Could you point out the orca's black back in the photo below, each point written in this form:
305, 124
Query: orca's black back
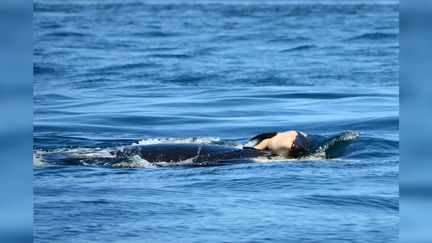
176, 152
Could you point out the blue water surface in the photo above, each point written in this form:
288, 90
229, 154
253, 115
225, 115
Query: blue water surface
114, 73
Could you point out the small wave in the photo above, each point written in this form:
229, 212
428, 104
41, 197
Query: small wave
156, 34
47, 68
333, 146
51, 97
43, 70
91, 82
124, 67
285, 40
157, 49
60, 8
374, 36
233, 38
300, 48
354, 201
169, 56
198, 140
77, 152
187, 79
67, 34
51, 25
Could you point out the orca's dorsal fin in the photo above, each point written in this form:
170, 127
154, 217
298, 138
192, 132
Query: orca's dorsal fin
264, 136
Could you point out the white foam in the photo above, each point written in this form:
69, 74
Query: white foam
198, 140
37, 158
272, 159
250, 144
171, 163
309, 158
349, 135
135, 162
183, 162
89, 152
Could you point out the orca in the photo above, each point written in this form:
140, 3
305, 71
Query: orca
290, 144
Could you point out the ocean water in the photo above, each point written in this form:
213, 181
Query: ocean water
109, 74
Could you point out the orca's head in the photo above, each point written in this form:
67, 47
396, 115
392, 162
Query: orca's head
290, 144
